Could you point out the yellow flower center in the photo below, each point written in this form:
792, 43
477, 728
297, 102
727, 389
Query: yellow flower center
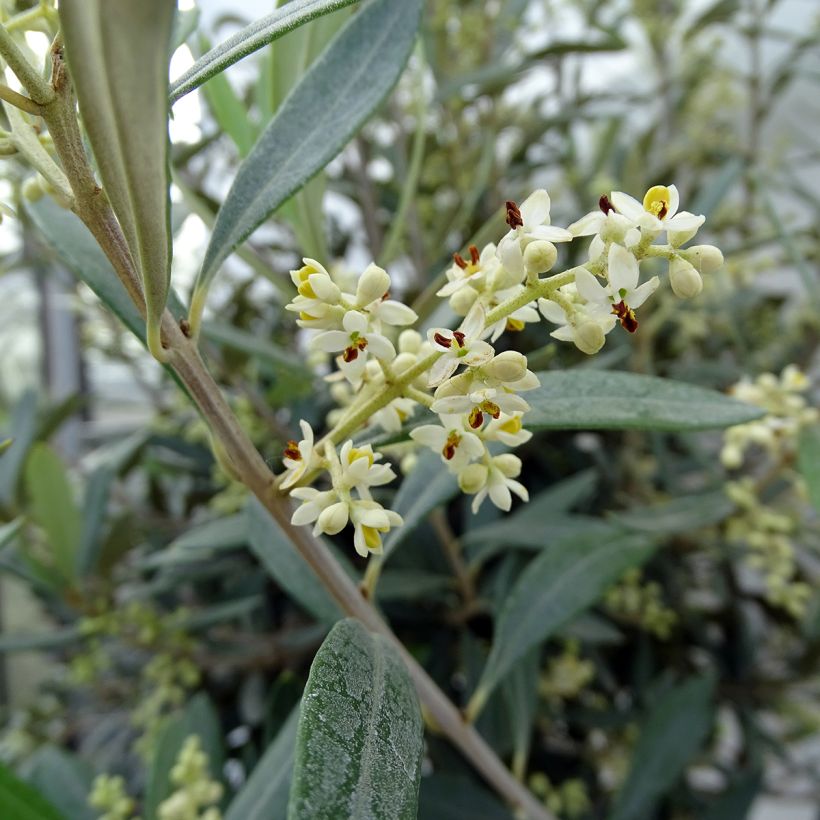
354, 454
372, 539
304, 272
512, 425
656, 201
306, 290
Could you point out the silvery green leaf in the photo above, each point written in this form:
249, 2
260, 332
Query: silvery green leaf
359, 743
118, 53
325, 109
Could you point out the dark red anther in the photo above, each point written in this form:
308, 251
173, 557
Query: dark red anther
350, 354
459, 337
474, 254
459, 260
292, 451
514, 219
361, 342
626, 316
605, 205
492, 408
442, 340
476, 418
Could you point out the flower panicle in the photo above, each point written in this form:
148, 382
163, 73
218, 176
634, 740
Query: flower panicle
385, 369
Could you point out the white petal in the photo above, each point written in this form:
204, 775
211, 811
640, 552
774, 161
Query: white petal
480, 352
331, 340
511, 256
550, 233
589, 288
324, 288
564, 334
552, 312
354, 322
674, 201
684, 221
535, 209
478, 500
392, 312
510, 403
626, 205
306, 514
519, 489
472, 445
380, 347
430, 435
588, 224
596, 248
442, 369
622, 270
380, 474
473, 322
641, 294
500, 495
452, 405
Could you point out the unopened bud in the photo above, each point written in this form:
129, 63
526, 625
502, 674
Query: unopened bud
374, 283
472, 478
462, 300
333, 519
685, 280
508, 464
324, 288
409, 341
32, 190
509, 366
540, 256
704, 258
589, 338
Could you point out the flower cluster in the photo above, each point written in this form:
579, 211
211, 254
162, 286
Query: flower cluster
769, 507
196, 792
634, 601
385, 369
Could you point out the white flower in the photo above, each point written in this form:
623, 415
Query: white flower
298, 457
585, 326
391, 417
605, 221
476, 272
456, 446
658, 212
356, 341
516, 320
499, 483
373, 284
623, 293
359, 468
462, 346
508, 430
529, 222
370, 521
313, 504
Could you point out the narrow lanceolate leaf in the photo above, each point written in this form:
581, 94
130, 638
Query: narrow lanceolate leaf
53, 507
558, 585
20, 801
331, 102
670, 737
359, 743
118, 53
601, 400
808, 461
252, 38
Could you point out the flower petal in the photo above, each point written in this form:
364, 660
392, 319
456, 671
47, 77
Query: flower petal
535, 209
626, 205
641, 294
331, 340
589, 288
588, 224
622, 270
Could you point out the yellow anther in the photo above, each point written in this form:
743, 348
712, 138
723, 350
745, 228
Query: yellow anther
512, 425
354, 454
306, 290
514, 324
372, 539
656, 201
306, 317
304, 272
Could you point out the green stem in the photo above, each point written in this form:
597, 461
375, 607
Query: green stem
9, 95
39, 90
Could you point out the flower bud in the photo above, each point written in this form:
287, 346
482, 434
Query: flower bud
324, 288
410, 341
472, 478
685, 280
32, 190
462, 300
402, 362
333, 519
508, 464
589, 338
408, 463
373, 284
509, 366
540, 256
705, 258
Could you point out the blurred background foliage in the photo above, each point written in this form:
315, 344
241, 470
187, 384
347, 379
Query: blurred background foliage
143, 595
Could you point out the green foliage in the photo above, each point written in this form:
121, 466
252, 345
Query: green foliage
328, 106
359, 706
21, 801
